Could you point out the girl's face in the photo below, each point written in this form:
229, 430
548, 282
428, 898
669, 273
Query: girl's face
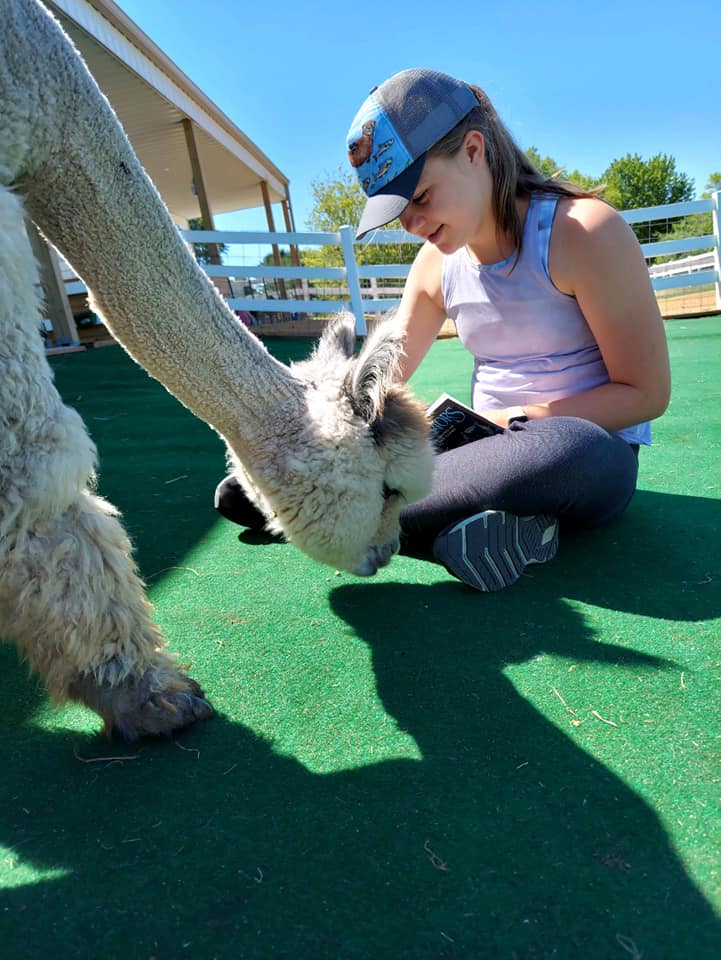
453, 198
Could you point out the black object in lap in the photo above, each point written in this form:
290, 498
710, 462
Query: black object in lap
232, 503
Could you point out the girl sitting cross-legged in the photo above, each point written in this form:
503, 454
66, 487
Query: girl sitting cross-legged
549, 292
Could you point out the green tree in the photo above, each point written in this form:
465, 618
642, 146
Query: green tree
285, 258
632, 182
585, 182
204, 252
553, 170
545, 165
337, 201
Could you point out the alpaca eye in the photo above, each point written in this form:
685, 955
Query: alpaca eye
388, 492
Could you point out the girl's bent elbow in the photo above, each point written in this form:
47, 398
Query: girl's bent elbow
660, 401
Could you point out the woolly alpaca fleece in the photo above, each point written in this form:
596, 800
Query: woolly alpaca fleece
329, 449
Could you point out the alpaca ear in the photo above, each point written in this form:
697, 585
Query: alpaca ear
337, 341
372, 376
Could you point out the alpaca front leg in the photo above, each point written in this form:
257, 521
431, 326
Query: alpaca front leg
153, 702
70, 598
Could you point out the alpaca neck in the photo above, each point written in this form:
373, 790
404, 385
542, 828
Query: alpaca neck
144, 282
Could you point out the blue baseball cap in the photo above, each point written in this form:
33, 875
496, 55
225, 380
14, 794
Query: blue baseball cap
390, 135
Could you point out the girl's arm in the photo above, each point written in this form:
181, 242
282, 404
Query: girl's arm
596, 258
421, 313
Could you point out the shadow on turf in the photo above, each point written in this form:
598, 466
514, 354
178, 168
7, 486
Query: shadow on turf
660, 560
504, 840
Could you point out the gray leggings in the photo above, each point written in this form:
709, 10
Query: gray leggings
563, 466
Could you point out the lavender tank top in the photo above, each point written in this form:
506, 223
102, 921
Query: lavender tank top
531, 343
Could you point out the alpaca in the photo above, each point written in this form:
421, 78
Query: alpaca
329, 449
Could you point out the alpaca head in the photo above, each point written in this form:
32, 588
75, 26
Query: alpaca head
357, 455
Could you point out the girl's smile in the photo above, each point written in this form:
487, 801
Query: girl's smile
434, 237
451, 205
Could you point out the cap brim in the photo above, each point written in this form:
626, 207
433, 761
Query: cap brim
391, 200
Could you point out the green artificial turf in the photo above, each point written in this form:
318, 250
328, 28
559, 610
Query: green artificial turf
399, 767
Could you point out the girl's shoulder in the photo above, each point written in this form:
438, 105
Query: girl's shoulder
587, 233
585, 213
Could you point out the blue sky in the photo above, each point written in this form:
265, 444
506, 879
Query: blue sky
584, 85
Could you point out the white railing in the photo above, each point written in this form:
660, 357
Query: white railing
684, 265
353, 278
349, 275
683, 273
662, 248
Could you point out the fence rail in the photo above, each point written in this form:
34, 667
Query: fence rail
685, 265
363, 295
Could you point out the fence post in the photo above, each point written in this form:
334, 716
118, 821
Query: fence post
716, 246
353, 280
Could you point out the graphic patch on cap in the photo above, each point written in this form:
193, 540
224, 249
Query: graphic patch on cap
375, 150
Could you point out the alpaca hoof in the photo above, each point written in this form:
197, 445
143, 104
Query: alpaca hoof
155, 704
161, 713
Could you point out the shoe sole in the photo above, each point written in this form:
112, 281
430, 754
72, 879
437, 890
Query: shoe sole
490, 551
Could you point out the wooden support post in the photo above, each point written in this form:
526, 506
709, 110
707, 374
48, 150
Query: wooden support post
199, 183
57, 306
290, 227
271, 227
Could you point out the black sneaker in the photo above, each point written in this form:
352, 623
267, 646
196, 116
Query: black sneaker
490, 550
232, 503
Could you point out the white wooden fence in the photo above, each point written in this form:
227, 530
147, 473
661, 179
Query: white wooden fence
351, 274
685, 272
683, 265
354, 278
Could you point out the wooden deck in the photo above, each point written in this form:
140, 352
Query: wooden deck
687, 302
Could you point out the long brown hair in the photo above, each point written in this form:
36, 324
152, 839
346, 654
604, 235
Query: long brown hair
512, 173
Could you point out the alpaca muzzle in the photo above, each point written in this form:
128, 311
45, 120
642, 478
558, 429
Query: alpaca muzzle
375, 558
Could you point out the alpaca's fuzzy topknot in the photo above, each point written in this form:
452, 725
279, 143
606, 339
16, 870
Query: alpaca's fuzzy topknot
359, 452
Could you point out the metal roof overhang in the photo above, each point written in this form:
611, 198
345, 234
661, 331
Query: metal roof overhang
151, 97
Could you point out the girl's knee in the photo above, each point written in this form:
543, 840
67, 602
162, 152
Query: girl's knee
603, 470
573, 440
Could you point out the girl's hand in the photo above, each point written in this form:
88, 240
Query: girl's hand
504, 416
